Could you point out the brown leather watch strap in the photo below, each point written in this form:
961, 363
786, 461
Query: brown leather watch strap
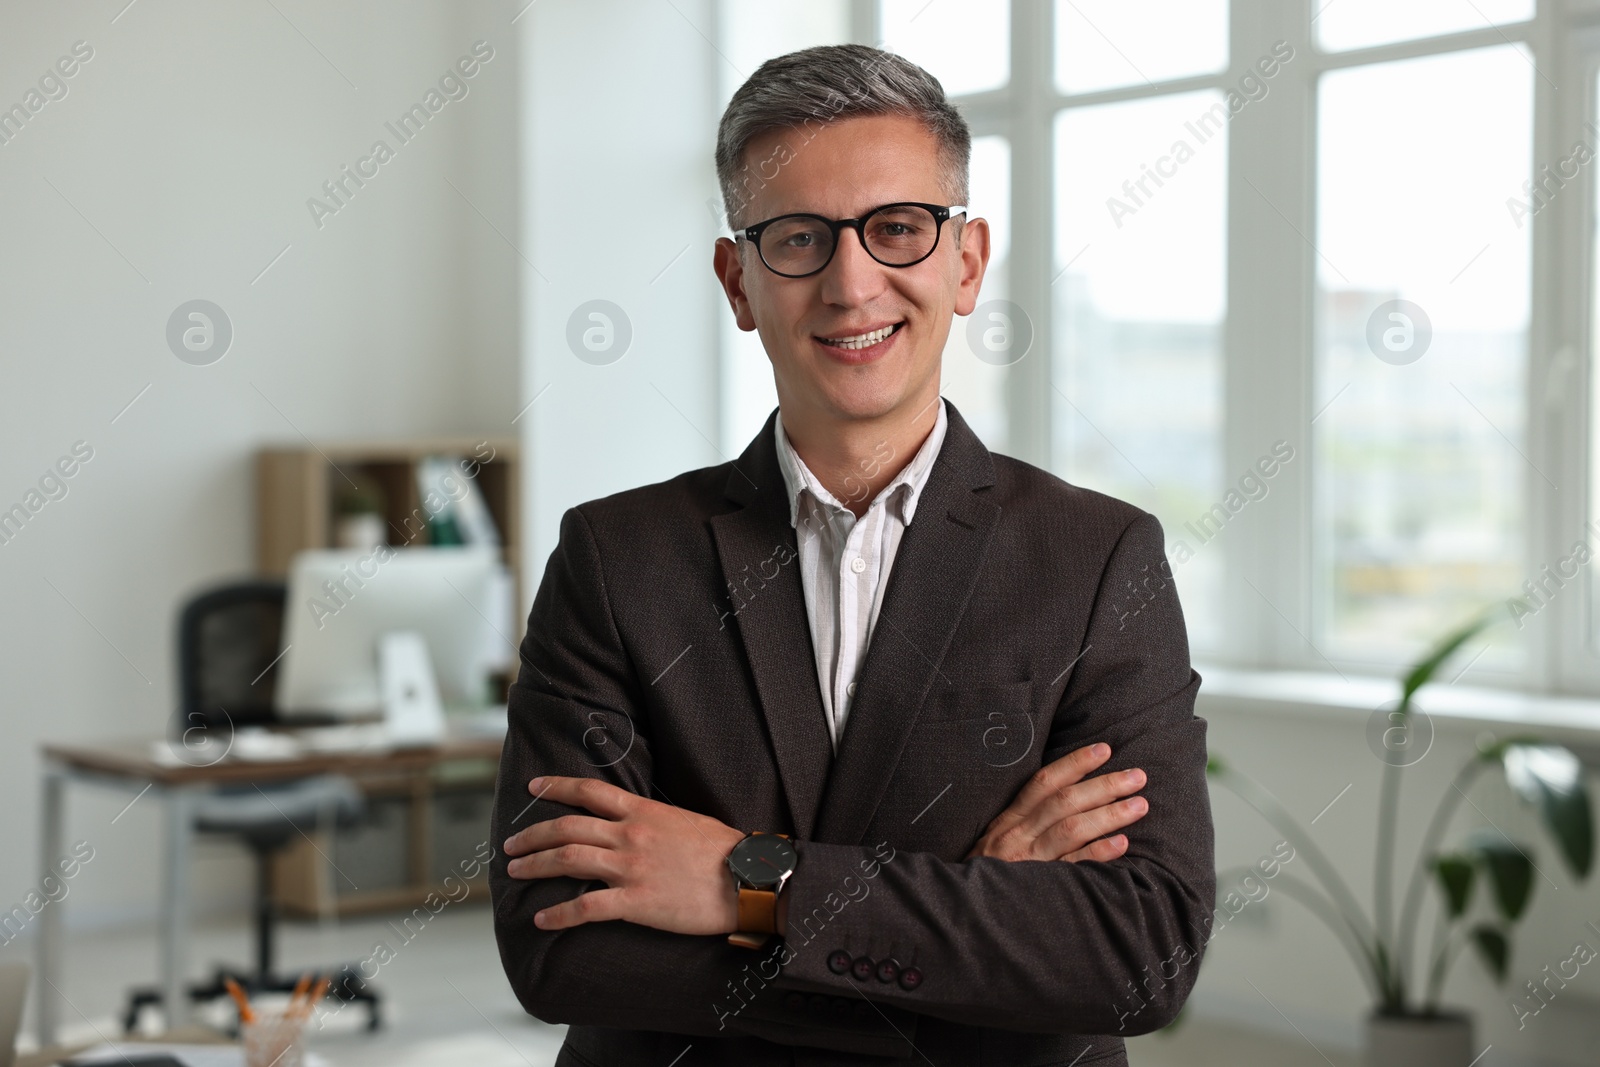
758, 915
758, 911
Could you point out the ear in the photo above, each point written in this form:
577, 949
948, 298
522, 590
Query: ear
726, 261
973, 238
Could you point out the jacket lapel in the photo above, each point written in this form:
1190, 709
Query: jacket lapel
934, 571
768, 612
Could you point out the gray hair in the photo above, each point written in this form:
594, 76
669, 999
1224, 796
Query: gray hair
805, 89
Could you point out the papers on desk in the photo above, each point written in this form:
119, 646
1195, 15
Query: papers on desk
257, 745
186, 1055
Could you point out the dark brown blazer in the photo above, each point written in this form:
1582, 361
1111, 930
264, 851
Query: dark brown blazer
668, 652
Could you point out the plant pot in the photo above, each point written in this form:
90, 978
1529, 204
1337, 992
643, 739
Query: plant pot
362, 530
1443, 1040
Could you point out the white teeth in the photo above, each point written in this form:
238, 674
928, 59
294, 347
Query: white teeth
863, 340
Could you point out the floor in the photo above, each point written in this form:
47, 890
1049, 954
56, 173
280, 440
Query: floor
447, 1001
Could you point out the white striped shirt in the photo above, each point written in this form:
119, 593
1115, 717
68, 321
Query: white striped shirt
845, 561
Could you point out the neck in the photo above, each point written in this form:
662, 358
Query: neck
855, 458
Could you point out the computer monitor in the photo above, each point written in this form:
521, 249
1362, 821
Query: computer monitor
342, 603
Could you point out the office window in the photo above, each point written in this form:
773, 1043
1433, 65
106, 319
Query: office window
965, 45
1422, 318
1104, 44
1139, 304
1369, 204
1346, 24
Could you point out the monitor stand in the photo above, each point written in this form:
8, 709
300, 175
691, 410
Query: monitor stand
412, 710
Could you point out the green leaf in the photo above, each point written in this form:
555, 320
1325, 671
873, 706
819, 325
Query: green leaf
1510, 873
1455, 874
1495, 948
1423, 670
1214, 765
1550, 777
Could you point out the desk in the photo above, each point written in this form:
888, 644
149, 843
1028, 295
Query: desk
127, 765
49, 1057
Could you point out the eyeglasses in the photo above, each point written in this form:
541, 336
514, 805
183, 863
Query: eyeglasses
896, 235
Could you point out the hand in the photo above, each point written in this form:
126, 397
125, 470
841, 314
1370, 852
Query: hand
1059, 815
663, 866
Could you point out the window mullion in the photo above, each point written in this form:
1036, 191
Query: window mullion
1267, 377
1028, 392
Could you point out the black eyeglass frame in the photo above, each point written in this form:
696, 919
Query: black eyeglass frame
941, 214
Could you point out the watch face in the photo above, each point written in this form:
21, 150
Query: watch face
763, 860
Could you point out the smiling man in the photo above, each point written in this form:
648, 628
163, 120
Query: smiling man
813, 755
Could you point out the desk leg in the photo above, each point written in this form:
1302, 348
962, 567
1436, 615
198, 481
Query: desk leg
175, 908
51, 848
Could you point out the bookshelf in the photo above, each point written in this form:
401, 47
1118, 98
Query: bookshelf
418, 820
296, 490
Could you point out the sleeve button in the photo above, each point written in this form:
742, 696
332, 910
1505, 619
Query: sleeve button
888, 970
818, 1004
863, 968
839, 961
910, 978
795, 1001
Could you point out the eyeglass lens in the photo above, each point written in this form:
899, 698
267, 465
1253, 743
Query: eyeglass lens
895, 236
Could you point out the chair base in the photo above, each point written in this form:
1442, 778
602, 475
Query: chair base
346, 985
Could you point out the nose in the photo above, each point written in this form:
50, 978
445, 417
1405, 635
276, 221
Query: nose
853, 277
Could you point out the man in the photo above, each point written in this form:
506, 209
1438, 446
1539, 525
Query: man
867, 633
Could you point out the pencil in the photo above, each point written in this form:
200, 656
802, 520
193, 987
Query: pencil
246, 1015
317, 993
300, 988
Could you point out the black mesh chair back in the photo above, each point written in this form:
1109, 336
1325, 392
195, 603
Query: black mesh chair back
229, 644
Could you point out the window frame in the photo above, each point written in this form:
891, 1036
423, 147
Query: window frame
1270, 285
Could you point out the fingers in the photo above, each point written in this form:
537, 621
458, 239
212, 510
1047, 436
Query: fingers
1076, 832
597, 905
1080, 799
562, 830
570, 861
1052, 777
1101, 851
602, 798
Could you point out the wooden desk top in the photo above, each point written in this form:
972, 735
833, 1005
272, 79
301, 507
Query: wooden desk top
186, 1035
132, 758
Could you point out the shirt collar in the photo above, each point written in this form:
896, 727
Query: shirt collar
906, 486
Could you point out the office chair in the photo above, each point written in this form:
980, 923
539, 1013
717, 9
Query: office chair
228, 651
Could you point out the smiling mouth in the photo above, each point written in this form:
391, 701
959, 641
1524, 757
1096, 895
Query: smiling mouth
862, 340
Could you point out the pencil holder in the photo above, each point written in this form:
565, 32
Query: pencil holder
273, 1039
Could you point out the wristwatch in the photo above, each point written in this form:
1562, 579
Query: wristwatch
761, 864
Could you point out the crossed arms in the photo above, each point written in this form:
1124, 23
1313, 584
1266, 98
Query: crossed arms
1008, 937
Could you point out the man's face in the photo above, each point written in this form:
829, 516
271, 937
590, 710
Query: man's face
843, 170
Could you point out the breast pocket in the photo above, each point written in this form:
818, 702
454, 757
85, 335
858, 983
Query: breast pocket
991, 722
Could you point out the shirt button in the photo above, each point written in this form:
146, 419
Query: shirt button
858, 564
850, 689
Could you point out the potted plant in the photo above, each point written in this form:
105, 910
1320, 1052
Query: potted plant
358, 514
1407, 1025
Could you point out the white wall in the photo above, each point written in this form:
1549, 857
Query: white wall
190, 144
620, 126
